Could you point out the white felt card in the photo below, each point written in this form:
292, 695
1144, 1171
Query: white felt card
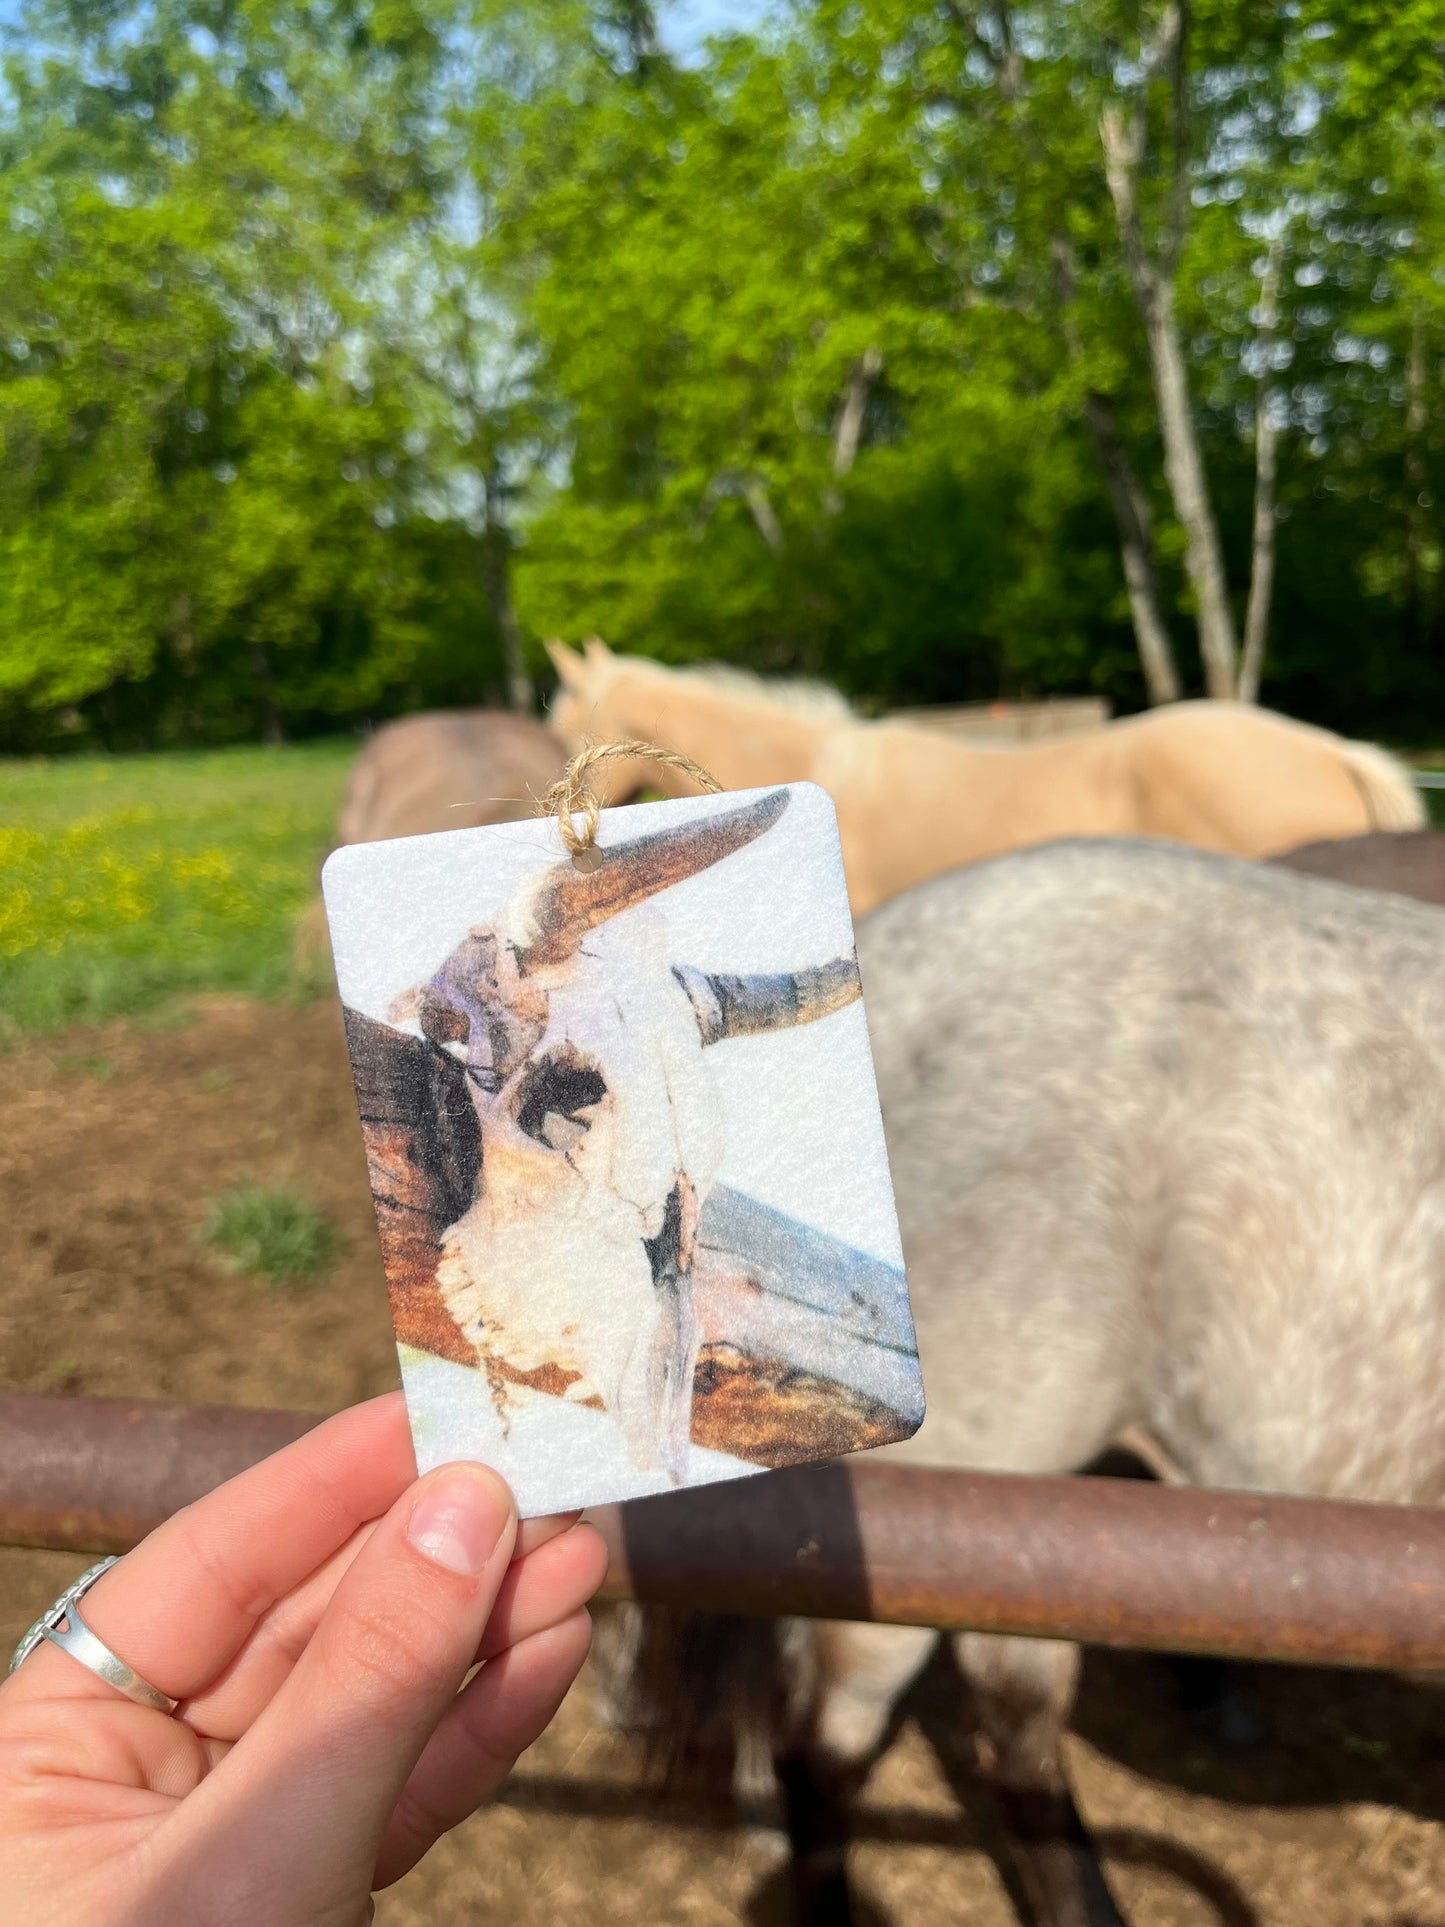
625, 1147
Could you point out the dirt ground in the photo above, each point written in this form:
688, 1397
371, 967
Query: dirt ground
116, 1142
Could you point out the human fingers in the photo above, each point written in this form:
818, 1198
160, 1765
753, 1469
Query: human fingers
540, 1588
183, 1602
316, 1777
225, 1708
63, 1761
545, 1587
497, 1717
532, 1533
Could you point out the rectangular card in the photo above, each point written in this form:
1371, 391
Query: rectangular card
624, 1142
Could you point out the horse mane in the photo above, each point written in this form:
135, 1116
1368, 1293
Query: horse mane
801, 696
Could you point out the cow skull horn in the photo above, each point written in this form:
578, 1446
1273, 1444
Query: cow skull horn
571, 902
747, 1006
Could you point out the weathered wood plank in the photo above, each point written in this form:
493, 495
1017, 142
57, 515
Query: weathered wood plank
778, 1332
771, 1413
423, 1157
797, 1262
807, 1343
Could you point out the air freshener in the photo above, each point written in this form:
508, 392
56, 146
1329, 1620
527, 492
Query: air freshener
624, 1143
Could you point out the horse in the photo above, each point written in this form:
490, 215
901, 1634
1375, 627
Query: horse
448, 770
1166, 1132
1409, 863
439, 770
913, 802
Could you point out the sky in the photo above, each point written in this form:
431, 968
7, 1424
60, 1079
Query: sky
686, 23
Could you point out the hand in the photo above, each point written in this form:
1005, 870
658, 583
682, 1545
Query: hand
316, 1618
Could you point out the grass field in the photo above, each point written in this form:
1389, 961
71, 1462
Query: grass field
127, 881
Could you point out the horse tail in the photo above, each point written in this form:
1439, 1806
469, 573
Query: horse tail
712, 1697
1391, 799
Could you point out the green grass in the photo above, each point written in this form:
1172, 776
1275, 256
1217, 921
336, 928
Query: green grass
86, 1063
128, 881
271, 1233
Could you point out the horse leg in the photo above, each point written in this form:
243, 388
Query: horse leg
1023, 1691
863, 1672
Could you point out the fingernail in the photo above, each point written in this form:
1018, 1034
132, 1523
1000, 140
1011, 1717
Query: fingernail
460, 1518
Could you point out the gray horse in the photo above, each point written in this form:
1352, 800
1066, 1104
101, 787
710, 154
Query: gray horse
1168, 1136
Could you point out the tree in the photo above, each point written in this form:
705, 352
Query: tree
1153, 269
950, 352
209, 478
485, 426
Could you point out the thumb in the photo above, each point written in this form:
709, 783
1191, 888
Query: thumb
317, 1776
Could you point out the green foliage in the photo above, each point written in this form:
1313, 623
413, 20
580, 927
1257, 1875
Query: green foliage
708, 257
130, 880
272, 1233
209, 436
314, 321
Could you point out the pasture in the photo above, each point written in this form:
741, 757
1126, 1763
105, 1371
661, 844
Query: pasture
162, 1054
128, 881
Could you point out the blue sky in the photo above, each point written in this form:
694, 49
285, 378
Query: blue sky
687, 22
684, 22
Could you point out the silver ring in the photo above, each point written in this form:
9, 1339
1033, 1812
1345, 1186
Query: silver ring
63, 1626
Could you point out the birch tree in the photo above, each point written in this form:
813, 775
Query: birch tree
1266, 452
1153, 265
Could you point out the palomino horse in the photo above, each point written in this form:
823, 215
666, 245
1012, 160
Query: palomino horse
913, 802
448, 770
1166, 1134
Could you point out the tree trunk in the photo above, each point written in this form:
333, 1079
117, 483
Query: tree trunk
1153, 284
1136, 547
495, 556
639, 20
855, 404
755, 494
1416, 514
1189, 491
849, 431
1266, 449
1126, 495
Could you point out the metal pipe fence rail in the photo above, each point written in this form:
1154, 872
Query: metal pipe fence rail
1109, 1562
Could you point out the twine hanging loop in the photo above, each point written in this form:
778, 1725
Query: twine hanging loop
572, 796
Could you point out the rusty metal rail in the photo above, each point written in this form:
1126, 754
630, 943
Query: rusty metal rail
1109, 1562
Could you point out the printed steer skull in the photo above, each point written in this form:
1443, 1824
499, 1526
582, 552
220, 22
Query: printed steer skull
601, 1126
